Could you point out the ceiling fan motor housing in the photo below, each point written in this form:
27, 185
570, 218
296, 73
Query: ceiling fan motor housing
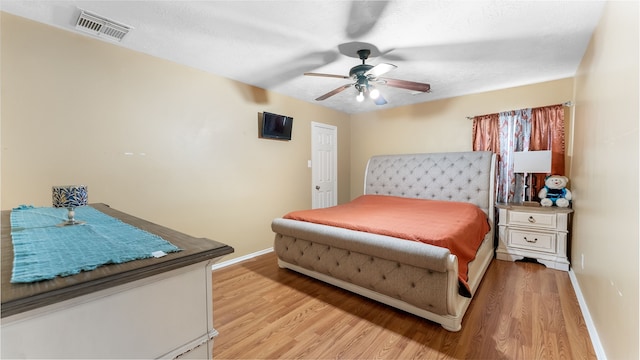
359, 70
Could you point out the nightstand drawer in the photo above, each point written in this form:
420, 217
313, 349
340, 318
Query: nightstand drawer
532, 219
533, 241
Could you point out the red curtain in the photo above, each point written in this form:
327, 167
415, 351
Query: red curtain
547, 133
486, 133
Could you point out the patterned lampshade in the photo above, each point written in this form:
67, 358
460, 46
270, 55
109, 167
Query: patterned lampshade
69, 196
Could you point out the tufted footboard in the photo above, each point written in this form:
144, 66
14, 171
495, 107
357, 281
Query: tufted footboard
418, 274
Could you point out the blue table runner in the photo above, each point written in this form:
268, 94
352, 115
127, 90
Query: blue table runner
43, 250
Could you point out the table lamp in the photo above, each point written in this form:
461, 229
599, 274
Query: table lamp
531, 162
70, 197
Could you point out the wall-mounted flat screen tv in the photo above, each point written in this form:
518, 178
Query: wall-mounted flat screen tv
276, 126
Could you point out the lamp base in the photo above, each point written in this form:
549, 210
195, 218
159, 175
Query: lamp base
72, 221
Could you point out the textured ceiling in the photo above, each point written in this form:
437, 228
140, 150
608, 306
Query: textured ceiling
457, 47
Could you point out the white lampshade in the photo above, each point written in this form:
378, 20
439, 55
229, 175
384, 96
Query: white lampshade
532, 162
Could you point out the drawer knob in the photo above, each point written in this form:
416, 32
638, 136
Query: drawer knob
531, 241
531, 219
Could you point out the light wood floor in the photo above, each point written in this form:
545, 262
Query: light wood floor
521, 311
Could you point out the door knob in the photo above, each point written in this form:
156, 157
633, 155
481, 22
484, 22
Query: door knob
317, 187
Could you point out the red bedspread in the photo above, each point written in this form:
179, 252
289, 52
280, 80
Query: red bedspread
458, 226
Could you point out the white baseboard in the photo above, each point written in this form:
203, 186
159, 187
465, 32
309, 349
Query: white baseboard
593, 334
240, 259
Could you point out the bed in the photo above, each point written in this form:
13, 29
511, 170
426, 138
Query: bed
424, 278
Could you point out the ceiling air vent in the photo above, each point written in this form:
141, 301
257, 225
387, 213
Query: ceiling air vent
100, 26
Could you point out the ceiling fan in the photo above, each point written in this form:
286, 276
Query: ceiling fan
366, 77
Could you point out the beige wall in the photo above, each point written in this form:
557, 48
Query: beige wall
440, 126
604, 179
73, 107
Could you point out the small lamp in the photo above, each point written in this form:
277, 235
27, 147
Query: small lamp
531, 162
70, 197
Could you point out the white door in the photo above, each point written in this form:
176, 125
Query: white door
324, 165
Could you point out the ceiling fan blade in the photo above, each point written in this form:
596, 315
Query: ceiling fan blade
380, 69
333, 92
326, 75
363, 16
292, 68
380, 100
408, 85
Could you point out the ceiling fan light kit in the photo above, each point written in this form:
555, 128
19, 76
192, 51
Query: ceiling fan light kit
374, 93
365, 76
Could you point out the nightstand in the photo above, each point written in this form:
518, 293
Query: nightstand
535, 232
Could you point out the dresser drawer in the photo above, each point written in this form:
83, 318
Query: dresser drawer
540, 220
532, 241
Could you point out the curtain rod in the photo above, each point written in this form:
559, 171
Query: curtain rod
566, 103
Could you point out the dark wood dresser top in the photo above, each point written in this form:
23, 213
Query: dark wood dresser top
18, 298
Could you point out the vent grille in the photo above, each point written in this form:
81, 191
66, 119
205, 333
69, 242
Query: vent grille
100, 26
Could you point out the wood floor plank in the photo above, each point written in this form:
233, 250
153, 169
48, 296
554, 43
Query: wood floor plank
521, 310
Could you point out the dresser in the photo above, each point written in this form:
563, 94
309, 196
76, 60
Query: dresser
535, 232
143, 309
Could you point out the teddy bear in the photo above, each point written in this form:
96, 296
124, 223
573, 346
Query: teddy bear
555, 191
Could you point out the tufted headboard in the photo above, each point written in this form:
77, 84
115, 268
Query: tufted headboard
454, 176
